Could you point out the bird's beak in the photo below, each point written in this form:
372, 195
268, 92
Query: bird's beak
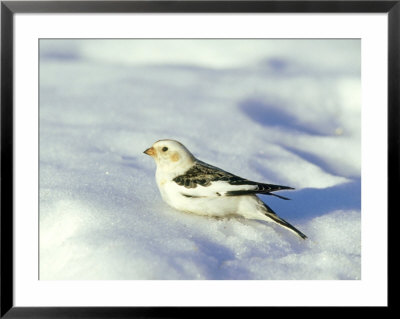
150, 151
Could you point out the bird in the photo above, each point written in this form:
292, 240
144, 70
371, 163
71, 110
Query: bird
193, 186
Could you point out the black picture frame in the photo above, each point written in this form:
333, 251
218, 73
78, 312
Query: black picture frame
9, 8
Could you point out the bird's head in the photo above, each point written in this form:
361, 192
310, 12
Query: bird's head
170, 155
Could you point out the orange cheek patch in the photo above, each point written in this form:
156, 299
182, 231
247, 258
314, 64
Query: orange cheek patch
175, 157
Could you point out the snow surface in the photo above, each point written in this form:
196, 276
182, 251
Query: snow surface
279, 111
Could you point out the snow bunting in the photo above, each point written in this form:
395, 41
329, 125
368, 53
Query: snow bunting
190, 185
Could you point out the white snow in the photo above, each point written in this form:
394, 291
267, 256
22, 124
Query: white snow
279, 111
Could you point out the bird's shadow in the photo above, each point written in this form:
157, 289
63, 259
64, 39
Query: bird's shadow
312, 202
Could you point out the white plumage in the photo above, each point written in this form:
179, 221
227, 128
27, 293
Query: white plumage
190, 185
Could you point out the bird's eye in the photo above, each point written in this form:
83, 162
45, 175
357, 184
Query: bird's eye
164, 149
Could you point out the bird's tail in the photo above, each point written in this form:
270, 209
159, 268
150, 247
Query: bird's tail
272, 215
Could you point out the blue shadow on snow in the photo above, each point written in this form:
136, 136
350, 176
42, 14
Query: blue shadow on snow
275, 116
312, 202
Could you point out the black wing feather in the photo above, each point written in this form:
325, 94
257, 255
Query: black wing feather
271, 214
204, 174
251, 192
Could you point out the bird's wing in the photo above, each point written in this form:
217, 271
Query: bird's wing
221, 183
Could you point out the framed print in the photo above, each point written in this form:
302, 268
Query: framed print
163, 157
